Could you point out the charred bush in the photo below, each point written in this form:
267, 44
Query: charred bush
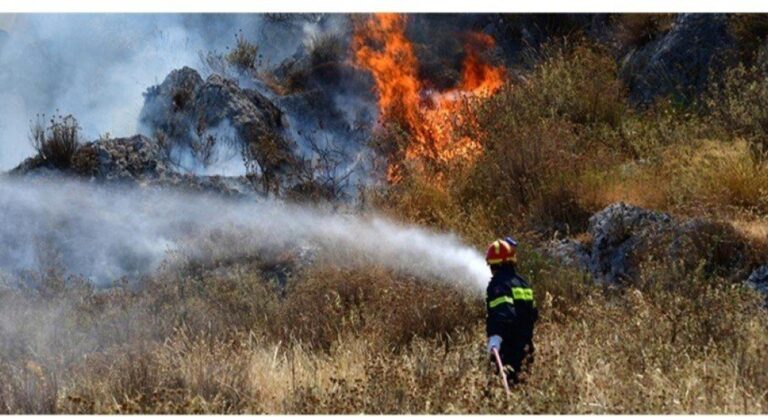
57, 143
267, 159
749, 31
245, 54
322, 176
326, 48
634, 30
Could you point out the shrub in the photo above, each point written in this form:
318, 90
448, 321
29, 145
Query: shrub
267, 157
539, 135
578, 83
244, 56
749, 31
633, 30
700, 178
57, 143
326, 48
526, 173
716, 175
738, 100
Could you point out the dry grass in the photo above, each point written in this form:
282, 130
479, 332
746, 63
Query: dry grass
245, 55
367, 341
704, 178
57, 143
756, 229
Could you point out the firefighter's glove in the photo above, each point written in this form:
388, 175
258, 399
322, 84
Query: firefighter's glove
494, 342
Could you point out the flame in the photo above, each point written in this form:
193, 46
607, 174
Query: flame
477, 75
381, 47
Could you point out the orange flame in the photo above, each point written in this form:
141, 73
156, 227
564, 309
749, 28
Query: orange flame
381, 47
477, 76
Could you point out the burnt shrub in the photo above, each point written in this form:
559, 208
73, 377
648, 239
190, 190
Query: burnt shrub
244, 56
326, 48
749, 31
633, 30
57, 143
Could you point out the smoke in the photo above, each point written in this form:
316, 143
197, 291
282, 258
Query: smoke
104, 234
96, 66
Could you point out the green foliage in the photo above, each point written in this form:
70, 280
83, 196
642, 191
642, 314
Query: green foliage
577, 83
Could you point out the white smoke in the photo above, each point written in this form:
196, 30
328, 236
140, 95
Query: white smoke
104, 234
96, 66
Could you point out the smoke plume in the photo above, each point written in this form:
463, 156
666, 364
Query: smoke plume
96, 66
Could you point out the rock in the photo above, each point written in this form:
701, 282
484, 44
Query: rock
620, 232
758, 281
200, 120
678, 62
167, 106
136, 158
568, 252
623, 236
32, 164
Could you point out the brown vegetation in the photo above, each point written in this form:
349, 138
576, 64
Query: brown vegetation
563, 142
347, 341
633, 30
245, 55
56, 143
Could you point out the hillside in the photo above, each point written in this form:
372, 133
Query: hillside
301, 230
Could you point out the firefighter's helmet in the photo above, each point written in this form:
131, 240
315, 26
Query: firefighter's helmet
502, 250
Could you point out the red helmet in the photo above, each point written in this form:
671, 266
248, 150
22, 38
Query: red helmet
500, 251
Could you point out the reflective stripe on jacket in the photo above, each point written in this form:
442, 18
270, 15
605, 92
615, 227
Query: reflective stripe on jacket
510, 304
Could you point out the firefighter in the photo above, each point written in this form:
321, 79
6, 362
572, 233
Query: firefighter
511, 310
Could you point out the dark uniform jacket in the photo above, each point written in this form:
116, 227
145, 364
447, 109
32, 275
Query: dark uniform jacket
510, 305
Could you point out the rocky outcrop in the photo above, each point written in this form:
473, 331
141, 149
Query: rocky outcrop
134, 159
680, 61
623, 236
194, 119
620, 232
569, 252
758, 281
137, 160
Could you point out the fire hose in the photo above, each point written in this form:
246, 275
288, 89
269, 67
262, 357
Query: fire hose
501, 370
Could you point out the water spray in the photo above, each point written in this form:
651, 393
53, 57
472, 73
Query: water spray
104, 233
